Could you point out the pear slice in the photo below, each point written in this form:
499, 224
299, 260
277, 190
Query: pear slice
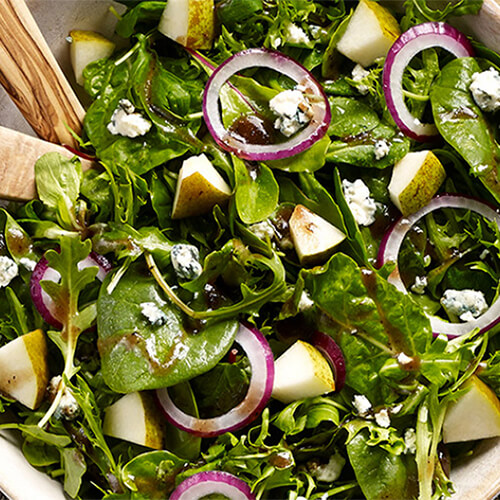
199, 188
369, 34
301, 372
415, 180
24, 373
87, 47
475, 415
135, 418
189, 22
313, 237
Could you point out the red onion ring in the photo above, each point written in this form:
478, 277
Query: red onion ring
43, 272
408, 45
205, 483
80, 154
331, 351
393, 239
261, 362
299, 142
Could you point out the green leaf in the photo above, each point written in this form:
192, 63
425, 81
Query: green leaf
462, 123
74, 469
58, 181
145, 12
256, 191
137, 354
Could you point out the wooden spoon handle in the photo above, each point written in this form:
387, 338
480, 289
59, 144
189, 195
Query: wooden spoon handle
18, 154
30, 74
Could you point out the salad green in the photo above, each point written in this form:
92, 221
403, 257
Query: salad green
146, 327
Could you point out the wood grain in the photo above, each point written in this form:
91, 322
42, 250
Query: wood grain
30, 74
18, 155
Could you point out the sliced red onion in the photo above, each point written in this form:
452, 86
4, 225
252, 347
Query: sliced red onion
84, 156
281, 63
391, 245
407, 46
261, 361
43, 272
329, 348
203, 484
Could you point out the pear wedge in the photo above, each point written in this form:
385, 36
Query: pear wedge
189, 22
415, 180
87, 47
475, 415
313, 237
314, 377
24, 373
135, 418
199, 188
369, 34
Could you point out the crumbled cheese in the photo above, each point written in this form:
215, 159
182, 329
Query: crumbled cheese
305, 301
330, 471
466, 304
153, 313
8, 270
382, 418
186, 261
382, 149
361, 404
262, 230
125, 121
410, 439
419, 285
296, 35
358, 75
485, 89
404, 360
361, 204
68, 406
396, 409
292, 109
28, 263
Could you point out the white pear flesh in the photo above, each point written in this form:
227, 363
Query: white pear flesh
415, 180
24, 372
87, 47
190, 23
301, 372
199, 188
370, 33
135, 418
314, 238
475, 415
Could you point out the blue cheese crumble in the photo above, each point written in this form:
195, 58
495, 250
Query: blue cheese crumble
466, 304
296, 35
152, 312
361, 204
186, 261
382, 149
358, 75
126, 122
292, 109
485, 89
8, 271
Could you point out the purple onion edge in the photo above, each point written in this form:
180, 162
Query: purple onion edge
283, 153
215, 476
269, 359
325, 343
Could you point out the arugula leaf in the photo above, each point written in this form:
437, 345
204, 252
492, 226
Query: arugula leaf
144, 12
58, 181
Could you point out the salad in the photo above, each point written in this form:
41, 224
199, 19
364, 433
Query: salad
281, 280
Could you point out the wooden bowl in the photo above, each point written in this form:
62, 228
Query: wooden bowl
476, 478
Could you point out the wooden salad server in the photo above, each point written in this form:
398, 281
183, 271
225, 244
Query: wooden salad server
33, 79
18, 155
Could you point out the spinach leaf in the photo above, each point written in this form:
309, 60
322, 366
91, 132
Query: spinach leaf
139, 354
463, 125
144, 12
256, 191
355, 129
58, 181
383, 473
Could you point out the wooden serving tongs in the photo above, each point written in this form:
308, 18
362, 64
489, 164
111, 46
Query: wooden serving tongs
31, 76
